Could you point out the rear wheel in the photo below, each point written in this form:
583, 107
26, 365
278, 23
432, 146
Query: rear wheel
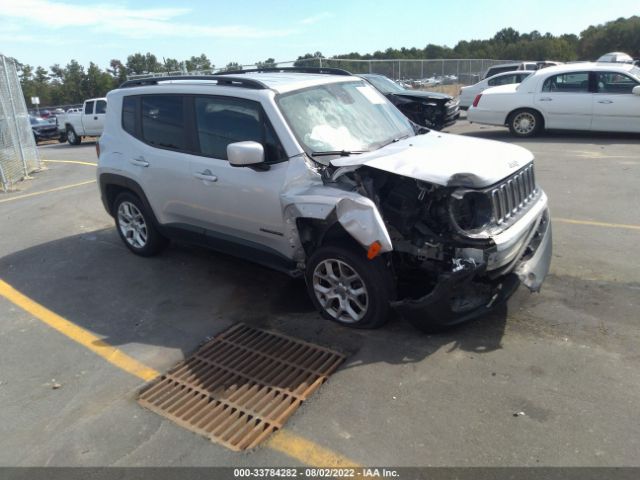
72, 138
135, 227
525, 123
348, 288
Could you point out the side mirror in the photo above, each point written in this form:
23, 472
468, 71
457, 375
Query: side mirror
243, 154
636, 90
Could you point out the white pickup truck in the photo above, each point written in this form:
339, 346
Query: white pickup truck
87, 122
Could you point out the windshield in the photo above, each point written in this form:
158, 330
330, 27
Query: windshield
351, 116
384, 84
635, 71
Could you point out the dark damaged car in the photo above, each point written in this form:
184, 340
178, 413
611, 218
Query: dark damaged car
321, 177
429, 109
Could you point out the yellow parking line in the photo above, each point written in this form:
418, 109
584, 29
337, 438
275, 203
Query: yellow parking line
306, 451
597, 224
78, 334
287, 443
71, 161
57, 189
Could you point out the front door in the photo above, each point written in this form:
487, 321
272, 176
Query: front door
237, 203
615, 108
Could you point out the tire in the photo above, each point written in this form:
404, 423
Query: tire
72, 137
62, 138
135, 226
351, 272
525, 123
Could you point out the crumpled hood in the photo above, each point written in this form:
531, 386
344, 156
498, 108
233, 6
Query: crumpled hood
423, 95
445, 159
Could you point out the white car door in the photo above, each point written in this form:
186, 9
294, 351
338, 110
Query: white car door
615, 107
566, 101
239, 203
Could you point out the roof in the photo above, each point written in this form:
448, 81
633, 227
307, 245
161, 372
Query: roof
289, 81
582, 66
279, 82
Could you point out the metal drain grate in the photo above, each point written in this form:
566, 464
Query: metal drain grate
241, 386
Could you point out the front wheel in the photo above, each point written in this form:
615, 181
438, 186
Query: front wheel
525, 123
348, 288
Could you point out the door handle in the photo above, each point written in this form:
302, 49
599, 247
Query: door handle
605, 101
206, 175
546, 99
95, 118
139, 162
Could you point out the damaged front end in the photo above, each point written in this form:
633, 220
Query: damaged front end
457, 252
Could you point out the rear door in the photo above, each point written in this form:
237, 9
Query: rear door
566, 101
615, 108
158, 153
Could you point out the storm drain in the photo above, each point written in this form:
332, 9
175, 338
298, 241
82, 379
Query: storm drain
241, 386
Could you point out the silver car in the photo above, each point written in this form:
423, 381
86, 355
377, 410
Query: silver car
318, 175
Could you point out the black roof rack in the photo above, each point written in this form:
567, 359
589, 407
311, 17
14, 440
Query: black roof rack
321, 70
227, 81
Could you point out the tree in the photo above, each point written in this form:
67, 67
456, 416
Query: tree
171, 65
118, 71
139, 64
233, 66
268, 63
199, 63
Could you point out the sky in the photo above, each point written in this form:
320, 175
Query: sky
45, 32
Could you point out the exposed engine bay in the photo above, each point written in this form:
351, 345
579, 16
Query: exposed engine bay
442, 238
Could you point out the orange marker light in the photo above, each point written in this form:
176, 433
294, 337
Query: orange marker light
374, 250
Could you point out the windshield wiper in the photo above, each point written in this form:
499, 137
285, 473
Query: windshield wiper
393, 140
340, 153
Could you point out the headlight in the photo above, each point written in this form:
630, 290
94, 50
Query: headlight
471, 211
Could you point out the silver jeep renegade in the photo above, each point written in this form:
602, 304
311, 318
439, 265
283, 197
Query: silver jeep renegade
316, 174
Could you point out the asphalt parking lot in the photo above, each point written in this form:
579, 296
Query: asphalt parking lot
567, 357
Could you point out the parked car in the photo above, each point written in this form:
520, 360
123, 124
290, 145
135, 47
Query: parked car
88, 121
43, 129
467, 94
321, 177
616, 57
580, 96
429, 109
510, 67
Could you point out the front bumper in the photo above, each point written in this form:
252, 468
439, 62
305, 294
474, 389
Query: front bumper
470, 291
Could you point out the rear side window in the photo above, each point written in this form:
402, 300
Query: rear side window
129, 114
503, 80
613, 82
88, 108
577, 82
101, 107
221, 121
163, 121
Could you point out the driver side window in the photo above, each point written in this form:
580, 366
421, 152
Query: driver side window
224, 120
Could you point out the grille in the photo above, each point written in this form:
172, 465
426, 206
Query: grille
513, 194
241, 386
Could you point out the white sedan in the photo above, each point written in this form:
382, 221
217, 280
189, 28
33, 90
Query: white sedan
467, 94
578, 96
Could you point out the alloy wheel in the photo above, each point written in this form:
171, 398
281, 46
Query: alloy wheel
340, 291
132, 225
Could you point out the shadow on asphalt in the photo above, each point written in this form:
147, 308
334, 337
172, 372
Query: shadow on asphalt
188, 294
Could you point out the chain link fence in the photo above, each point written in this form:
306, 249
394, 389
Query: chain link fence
416, 73
18, 152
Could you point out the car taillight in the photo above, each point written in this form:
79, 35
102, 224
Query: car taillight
477, 100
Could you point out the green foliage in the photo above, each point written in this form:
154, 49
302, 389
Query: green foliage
72, 84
